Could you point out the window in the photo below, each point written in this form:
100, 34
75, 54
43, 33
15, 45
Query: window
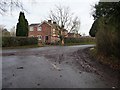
31, 28
39, 29
53, 30
39, 37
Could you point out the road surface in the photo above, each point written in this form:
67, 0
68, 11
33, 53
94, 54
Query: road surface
53, 67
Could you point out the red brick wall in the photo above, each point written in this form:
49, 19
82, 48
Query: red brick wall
45, 31
35, 32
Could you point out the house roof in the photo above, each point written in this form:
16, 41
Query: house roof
34, 24
5, 30
56, 26
46, 22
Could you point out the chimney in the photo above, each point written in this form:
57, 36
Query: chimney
49, 21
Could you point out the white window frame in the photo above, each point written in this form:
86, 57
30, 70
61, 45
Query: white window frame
31, 28
39, 37
53, 31
39, 28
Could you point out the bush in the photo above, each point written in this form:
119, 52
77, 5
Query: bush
81, 40
107, 39
18, 41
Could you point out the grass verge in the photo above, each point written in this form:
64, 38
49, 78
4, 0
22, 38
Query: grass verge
84, 43
21, 47
110, 61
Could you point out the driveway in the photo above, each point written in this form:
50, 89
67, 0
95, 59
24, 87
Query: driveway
54, 67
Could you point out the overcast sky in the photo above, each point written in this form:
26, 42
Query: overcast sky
39, 10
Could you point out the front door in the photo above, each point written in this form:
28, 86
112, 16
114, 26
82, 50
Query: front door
46, 39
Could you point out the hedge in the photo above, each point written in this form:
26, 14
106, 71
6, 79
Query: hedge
18, 41
80, 40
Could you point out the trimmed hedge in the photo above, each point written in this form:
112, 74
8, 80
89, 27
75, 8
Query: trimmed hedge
18, 41
79, 40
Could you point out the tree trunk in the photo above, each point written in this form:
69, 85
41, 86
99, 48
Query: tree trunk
62, 42
62, 38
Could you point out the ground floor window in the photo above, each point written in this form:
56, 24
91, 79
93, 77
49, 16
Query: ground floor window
39, 37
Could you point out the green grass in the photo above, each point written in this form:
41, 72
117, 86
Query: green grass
110, 61
22, 47
82, 43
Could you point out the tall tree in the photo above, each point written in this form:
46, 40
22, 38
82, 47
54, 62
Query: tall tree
94, 28
22, 26
109, 10
65, 19
108, 28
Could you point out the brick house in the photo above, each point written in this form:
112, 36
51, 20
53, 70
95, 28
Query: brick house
47, 32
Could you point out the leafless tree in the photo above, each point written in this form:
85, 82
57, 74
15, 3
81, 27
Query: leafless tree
61, 15
2, 27
13, 31
75, 25
10, 5
65, 19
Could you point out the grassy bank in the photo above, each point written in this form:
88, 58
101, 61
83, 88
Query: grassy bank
21, 47
112, 61
79, 41
82, 43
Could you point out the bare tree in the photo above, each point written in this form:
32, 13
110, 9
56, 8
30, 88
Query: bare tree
13, 31
10, 5
75, 25
65, 19
2, 27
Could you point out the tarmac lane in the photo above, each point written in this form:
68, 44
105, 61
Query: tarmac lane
47, 67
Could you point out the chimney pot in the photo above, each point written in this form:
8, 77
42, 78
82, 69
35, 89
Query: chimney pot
49, 21
54, 22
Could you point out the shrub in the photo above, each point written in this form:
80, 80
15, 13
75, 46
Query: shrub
18, 41
79, 40
107, 39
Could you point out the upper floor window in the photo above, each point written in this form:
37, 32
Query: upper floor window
31, 28
39, 29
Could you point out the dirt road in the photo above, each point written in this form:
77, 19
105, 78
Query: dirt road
55, 67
